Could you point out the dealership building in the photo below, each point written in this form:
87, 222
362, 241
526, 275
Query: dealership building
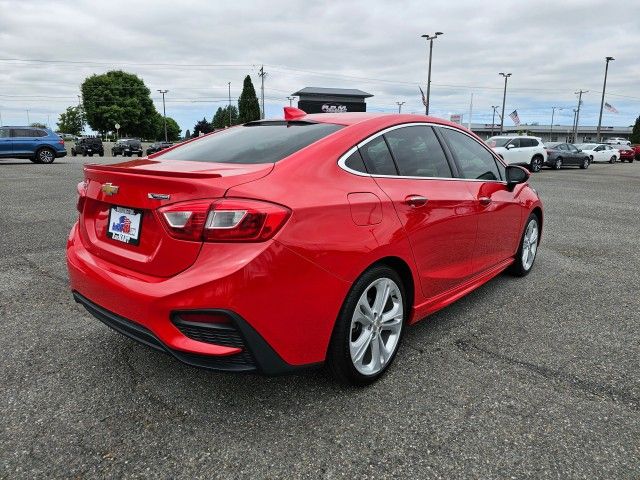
331, 100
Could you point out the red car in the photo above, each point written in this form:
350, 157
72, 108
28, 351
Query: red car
636, 150
626, 153
282, 244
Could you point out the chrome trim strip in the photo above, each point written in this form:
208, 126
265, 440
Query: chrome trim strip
347, 154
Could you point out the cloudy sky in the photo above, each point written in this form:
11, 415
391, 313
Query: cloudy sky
193, 48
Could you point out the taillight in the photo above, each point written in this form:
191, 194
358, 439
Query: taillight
82, 194
224, 220
61, 141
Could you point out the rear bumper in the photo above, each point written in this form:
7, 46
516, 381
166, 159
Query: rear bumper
256, 354
280, 302
60, 154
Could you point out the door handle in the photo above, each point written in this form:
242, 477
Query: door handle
484, 201
416, 200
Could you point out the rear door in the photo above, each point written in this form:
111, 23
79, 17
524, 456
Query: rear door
23, 141
6, 144
410, 166
497, 210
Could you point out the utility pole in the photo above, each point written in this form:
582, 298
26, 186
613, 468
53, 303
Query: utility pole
400, 106
493, 117
291, 99
229, 108
28, 120
579, 93
470, 112
573, 126
604, 87
504, 99
262, 74
431, 38
164, 114
553, 111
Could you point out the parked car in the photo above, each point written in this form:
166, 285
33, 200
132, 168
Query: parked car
88, 146
368, 223
40, 145
518, 150
627, 153
617, 141
599, 152
156, 147
565, 154
127, 147
636, 149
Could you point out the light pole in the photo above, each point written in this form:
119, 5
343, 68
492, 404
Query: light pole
553, 111
28, 120
579, 93
229, 108
291, 99
604, 87
431, 38
164, 114
504, 99
400, 106
493, 117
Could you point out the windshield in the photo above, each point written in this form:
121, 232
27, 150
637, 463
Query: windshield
497, 142
258, 142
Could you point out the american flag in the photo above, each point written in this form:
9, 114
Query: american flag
514, 116
610, 108
424, 100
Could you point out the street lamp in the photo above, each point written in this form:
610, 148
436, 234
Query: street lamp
493, 117
504, 99
604, 87
431, 38
164, 113
553, 111
291, 99
400, 106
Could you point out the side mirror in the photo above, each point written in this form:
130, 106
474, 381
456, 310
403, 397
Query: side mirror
509, 147
515, 176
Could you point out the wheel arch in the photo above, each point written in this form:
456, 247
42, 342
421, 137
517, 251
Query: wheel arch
400, 266
44, 147
537, 211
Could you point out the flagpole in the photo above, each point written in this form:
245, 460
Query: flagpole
604, 87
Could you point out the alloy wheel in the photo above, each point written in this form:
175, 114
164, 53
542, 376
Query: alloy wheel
45, 156
530, 244
376, 326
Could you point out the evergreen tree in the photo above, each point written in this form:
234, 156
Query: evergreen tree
248, 106
187, 135
202, 127
221, 118
635, 133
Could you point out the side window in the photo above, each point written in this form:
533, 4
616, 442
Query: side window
40, 133
4, 133
355, 162
529, 142
377, 158
417, 152
573, 149
19, 132
562, 146
474, 160
515, 143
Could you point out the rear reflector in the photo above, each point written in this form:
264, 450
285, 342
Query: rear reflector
224, 220
81, 188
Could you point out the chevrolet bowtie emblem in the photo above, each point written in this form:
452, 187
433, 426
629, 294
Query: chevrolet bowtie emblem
109, 188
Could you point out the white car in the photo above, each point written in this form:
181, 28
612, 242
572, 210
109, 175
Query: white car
520, 150
599, 152
618, 141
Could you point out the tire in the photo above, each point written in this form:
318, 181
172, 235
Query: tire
140, 154
91, 154
101, 154
114, 154
73, 153
612, 159
536, 163
359, 334
585, 163
557, 165
84, 154
45, 155
631, 160
591, 157
528, 242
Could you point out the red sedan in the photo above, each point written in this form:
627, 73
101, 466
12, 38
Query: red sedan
281, 244
627, 154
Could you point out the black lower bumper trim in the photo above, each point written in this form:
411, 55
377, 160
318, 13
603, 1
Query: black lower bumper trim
266, 360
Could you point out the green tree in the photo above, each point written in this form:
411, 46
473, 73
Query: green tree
173, 129
71, 121
221, 118
248, 106
118, 97
38, 125
187, 134
635, 132
202, 126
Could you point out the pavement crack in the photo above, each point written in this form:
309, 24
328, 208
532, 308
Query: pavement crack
593, 388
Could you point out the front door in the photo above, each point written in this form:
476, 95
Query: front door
6, 147
437, 211
497, 209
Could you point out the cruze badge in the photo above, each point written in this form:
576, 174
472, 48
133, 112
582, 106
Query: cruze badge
159, 196
109, 188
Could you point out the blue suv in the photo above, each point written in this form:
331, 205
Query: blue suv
40, 145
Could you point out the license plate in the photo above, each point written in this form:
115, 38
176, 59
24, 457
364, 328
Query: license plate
124, 225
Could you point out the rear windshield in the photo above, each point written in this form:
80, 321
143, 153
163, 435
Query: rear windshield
259, 142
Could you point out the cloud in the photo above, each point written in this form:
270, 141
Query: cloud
194, 48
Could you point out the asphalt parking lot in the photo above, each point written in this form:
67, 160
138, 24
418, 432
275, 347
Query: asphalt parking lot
524, 378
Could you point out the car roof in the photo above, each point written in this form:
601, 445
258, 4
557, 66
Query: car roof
353, 118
